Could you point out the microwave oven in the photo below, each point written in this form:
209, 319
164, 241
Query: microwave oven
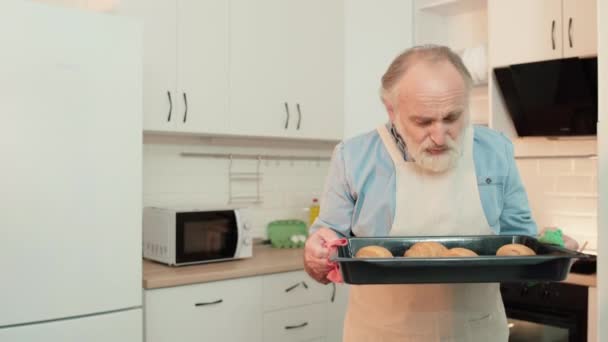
191, 236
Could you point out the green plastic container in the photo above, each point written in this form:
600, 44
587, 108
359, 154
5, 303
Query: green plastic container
287, 233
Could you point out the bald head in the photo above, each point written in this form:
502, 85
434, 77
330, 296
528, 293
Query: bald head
428, 54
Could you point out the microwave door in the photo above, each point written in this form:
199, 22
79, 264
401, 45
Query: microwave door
206, 237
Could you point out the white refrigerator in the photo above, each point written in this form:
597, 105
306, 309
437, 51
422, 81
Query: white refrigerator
70, 175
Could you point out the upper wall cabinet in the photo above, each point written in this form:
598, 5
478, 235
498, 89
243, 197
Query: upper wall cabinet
286, 77
522, 31
159, 60
580, 27
185, 63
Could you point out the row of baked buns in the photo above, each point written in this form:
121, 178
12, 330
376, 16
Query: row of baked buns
430, 249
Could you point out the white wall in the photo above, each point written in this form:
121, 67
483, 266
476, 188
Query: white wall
375, 34
563, 193
287, 188
602, 18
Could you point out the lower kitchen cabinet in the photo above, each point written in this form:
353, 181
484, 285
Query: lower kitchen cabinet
281, 307
218, 311
298, 324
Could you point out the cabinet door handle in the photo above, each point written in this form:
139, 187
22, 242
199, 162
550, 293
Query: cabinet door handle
186, 106
287, 117
170, 106
570, 31
303, 283
299, 115
333, 292
553, 34
209, 303
289, 327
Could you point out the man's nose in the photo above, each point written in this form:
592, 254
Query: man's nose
439, 134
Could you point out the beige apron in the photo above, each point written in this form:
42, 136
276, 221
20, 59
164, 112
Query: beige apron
430, 205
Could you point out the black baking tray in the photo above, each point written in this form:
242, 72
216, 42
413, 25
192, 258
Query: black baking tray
552, 263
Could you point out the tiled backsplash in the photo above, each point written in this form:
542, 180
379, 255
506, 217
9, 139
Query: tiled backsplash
563, 193
286, 188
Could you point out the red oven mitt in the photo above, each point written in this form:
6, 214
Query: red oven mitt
334, 274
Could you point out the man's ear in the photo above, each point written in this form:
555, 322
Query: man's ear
389, 109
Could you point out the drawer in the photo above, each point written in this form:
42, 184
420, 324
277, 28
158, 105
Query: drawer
205, 312
305, 323
289, 289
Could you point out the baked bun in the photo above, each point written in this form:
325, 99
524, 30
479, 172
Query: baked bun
458, 252
373, 252
427, 249
514, 249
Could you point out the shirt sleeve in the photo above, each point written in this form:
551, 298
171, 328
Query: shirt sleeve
337, 201
516, 217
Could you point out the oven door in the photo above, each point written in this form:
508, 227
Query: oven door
205, 236
536, 326
546, 312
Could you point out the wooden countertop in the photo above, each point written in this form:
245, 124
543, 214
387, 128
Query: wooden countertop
266, 260
589, 280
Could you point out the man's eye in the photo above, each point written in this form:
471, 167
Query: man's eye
423, 123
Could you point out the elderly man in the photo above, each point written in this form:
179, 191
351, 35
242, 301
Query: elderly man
426, 172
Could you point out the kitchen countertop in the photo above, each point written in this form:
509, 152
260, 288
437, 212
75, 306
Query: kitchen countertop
265, 260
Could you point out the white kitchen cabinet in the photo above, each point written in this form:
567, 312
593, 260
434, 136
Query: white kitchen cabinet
522, 31
258, 68
202, 65
286, 68
281, 307
219, 311
159, 60
316, 73
289, 289
580, 27
185, 63
336, 311
298, 324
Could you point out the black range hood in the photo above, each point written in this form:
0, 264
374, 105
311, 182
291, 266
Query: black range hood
551, 98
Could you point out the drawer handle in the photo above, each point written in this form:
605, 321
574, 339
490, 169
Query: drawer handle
287, 113
185, 106
209, 303
170, 106
299, 115
303, 283
289, 327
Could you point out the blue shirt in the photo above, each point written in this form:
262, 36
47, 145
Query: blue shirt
360, 190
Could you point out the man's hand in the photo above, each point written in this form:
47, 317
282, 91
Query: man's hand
316, 254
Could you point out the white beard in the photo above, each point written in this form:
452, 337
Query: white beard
436, 163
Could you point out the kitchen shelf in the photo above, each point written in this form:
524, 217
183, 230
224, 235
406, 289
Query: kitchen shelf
453, 7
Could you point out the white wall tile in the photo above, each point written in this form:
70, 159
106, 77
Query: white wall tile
286, 187
575, 184
555, 167
585, 167
563, 192
528, 167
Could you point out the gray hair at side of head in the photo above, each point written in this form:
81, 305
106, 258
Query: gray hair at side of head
429, 53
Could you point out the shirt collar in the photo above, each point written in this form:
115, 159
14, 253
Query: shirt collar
398, 139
